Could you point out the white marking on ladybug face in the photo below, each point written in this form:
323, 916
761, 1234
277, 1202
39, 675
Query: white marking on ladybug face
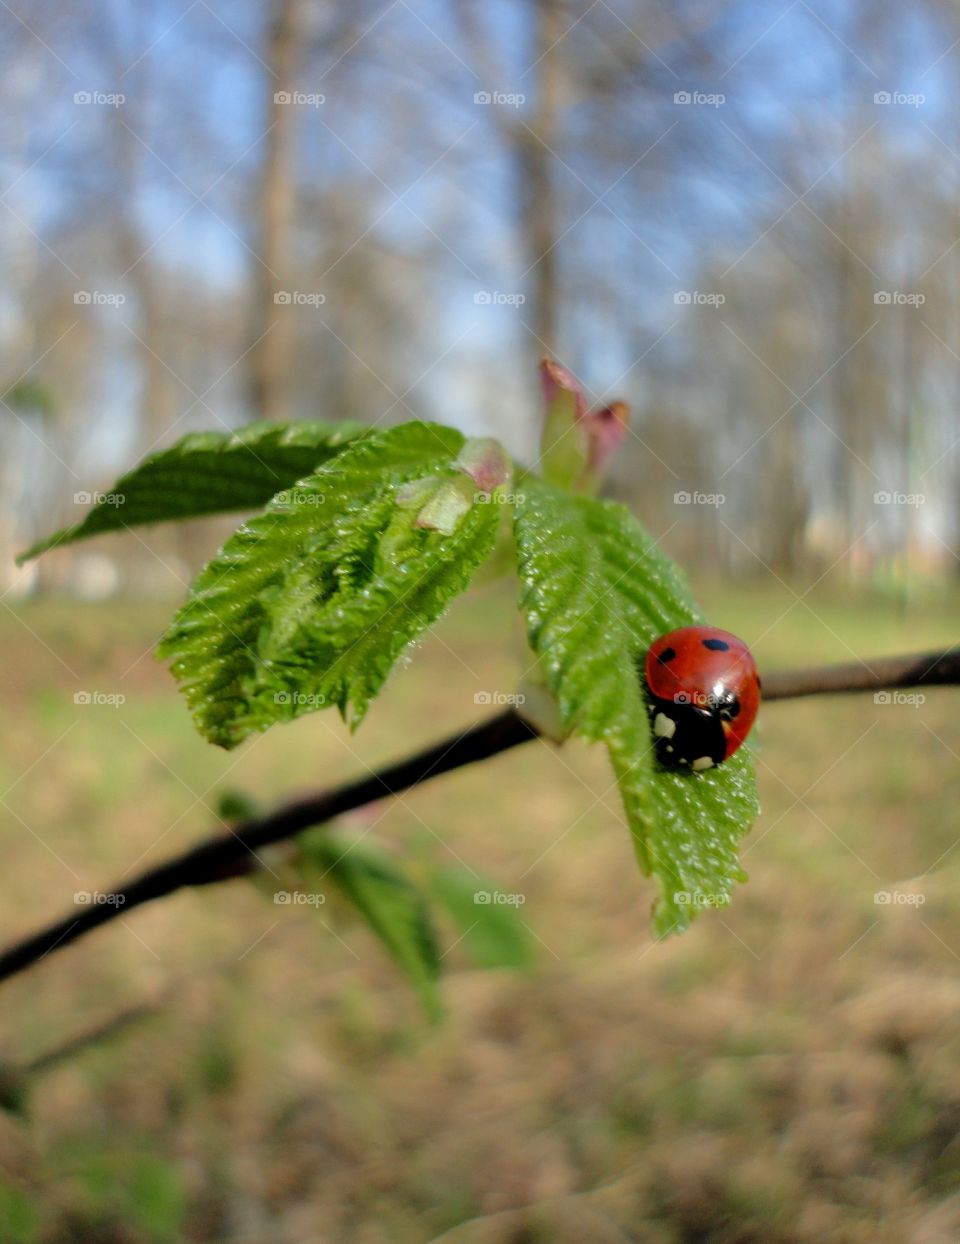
702, 762
669, 747
664, 727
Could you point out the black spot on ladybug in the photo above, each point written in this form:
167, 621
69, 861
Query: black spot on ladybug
668, 655
716, 645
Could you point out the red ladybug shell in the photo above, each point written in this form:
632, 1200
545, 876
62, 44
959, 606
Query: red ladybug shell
706, 675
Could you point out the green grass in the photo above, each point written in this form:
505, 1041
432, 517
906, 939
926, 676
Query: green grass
786, 1071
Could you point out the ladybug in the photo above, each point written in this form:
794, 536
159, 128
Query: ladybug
703, 694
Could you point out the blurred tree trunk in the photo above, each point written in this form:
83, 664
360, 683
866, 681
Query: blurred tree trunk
861, 387
271, 352
790, 509
20, 346
536, 147
531, 144
159, 399
161, 395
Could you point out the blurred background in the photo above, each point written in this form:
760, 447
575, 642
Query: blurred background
739, 217
742, 219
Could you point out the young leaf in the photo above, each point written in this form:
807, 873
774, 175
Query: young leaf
493, 934
390, 904
577, 444
311, 603
597, 591
209, 473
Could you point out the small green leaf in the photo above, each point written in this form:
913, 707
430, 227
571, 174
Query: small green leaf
417, 493
597, 592
209, 473
563, 442
390, 904
311, 603
493, 934
448, 505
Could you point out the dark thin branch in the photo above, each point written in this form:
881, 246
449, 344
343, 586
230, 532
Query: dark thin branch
922, 669
224, 856
116, 1025
88, 1039
233, 855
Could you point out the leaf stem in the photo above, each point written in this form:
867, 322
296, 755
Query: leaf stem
234, 854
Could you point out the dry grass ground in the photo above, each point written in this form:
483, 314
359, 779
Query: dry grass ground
788, 1071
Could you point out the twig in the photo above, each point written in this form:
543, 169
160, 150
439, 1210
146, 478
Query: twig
923, 669
224, 856
87, 1039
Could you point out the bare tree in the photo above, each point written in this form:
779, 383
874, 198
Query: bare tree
270, 351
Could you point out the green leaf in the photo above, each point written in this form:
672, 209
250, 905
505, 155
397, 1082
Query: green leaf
597, 592
493, 934
311, 603
209, 473
447, 506
563, 442
389, 903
